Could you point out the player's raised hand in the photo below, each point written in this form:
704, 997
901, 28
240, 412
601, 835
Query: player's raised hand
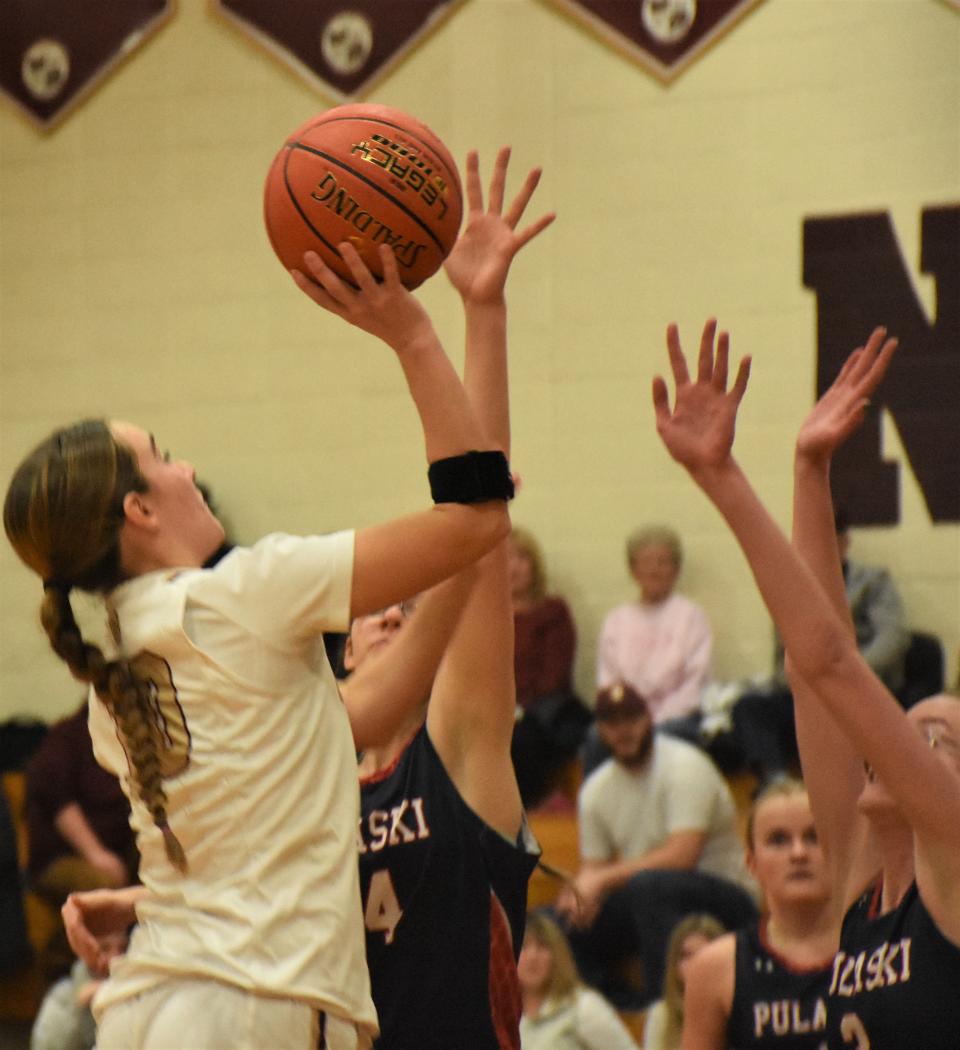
480, 260
843, 406
698, 431
383, 308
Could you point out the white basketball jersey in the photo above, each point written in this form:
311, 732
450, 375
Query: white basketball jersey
260, 773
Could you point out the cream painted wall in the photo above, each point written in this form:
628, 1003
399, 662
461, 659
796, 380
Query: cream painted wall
137, 282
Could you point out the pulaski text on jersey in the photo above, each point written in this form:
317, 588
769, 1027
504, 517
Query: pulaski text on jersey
392, 827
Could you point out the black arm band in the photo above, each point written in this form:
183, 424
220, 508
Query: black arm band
474, 477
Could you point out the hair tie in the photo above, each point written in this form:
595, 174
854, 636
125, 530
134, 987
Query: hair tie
54, 583
172, 846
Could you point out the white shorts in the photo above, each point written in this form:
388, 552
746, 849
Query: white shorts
193, 1013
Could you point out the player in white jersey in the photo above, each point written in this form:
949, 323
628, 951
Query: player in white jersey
218, 708
896, 973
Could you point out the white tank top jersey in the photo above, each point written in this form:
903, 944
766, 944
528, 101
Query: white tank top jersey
260, 773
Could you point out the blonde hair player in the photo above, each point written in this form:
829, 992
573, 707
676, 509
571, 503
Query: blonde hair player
219, 711
765, 986
891, 828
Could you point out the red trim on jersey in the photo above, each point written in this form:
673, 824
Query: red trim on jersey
791, 967
876, 900
504, 986
381, 774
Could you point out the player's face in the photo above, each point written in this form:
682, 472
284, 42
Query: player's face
370, 634
656, 572
535, 965
172, 495
785, 857
937, 720
628, 738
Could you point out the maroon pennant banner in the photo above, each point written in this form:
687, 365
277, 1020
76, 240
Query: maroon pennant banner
664, 36
53, 53
341, 48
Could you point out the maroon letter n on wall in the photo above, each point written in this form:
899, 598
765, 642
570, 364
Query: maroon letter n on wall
854, 264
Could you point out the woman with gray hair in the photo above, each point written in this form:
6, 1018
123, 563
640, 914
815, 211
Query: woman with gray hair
661, 642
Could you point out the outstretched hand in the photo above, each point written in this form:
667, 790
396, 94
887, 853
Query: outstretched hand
843, 406
383, 308
698, 431
96, 922
480, 260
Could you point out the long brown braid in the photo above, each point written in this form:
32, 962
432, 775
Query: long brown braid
63, 513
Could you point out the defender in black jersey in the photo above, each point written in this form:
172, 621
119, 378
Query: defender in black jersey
445, 854
444, 899
895, 982
884, 783
776, 1006
765, 986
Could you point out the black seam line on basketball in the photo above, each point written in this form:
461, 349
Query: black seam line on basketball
316, 232
333, 160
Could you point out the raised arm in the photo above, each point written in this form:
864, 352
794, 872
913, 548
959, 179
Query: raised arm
471, 712
698, 432
380, 694
396, 559
832, 766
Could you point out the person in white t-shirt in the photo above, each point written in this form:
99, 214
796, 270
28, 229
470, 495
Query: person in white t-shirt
658, 840
217, 706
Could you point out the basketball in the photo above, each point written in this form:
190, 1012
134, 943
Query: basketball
370, 175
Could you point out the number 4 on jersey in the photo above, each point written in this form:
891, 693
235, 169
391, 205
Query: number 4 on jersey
383, 911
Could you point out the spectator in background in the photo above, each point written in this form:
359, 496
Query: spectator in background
559, 1011
660, 644
551, 719
65, 1020
78, 826
664, 1025
658, 840
545, 635
764, 728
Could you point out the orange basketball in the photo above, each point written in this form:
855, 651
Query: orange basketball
370, 175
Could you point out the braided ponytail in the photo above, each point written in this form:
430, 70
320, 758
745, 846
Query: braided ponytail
128, 698
63, 513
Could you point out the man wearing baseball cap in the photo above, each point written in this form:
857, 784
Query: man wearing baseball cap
658, 840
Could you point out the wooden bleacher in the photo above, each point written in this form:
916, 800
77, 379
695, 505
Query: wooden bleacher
21, 991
